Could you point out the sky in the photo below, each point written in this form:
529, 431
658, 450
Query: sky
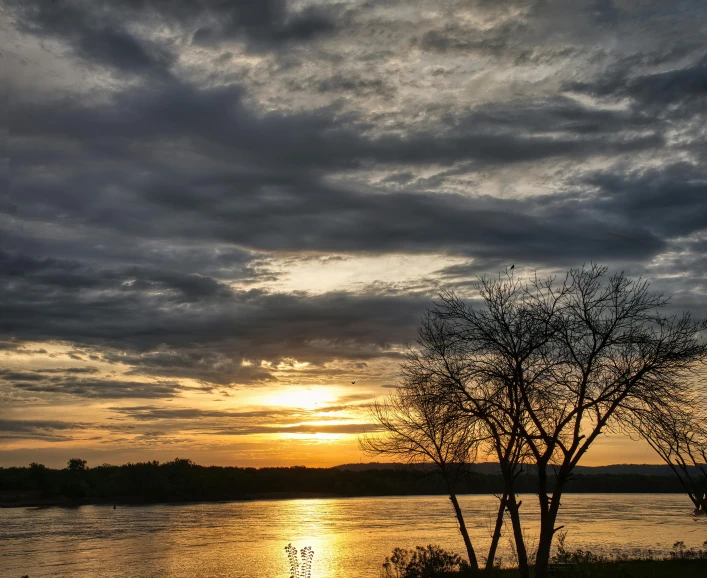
217, 215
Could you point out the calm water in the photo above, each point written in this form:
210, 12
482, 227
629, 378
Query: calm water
350, 536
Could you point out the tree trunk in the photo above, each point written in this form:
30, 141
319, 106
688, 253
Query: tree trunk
700, 501
542, 559
548, 518
462, 528
496, 536
521, 552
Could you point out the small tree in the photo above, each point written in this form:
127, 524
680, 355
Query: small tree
76, 465
443, 357
421, 429
676, 431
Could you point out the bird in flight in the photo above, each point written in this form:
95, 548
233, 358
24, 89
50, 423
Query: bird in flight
353, 382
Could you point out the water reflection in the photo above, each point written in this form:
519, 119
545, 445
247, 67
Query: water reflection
350, 537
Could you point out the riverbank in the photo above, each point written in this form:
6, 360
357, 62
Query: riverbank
36, 500
623, 569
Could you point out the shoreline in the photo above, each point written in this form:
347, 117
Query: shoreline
64, 502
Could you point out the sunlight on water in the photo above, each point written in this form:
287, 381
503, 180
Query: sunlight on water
350, 537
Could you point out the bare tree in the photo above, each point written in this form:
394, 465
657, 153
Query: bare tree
420, 430
677, 432
443, 357
547, 366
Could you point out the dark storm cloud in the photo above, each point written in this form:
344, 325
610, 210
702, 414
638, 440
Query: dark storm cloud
536, 132
44, 430
67, 274
159, 333
263, 25
69, 381
517, 131
671, 199
105, 32
684, 85
95, 32
210, 367
286, 205
26, 425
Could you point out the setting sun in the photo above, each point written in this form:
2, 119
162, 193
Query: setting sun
302, 398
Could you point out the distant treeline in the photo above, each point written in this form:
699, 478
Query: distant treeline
182, 480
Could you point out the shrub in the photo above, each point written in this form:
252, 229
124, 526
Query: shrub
429, 562
579, 556
681, 553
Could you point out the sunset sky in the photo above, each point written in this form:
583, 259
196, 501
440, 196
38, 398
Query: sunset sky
217, 215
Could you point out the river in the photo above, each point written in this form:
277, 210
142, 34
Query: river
351, 536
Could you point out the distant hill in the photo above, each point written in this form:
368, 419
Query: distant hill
491, 468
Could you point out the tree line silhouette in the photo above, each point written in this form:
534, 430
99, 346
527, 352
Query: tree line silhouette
181, 480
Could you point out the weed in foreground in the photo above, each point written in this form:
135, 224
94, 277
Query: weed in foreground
303, 568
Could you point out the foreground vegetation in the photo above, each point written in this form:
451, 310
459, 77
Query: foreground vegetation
434, 562
181, 480
628, 569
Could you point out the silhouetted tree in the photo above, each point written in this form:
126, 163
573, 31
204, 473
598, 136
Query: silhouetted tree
442, 357
547, 366
677, 432
76, 465
420, 430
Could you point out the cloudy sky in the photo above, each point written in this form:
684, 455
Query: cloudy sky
215, 215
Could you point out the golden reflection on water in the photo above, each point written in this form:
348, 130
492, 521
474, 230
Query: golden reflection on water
350, 537
315, 529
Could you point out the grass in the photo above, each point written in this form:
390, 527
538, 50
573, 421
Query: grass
629, 569
435, 562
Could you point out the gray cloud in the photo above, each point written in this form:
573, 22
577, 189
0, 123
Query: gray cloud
350, 428
263, 25
112, 34
458, 37
207, 337
95, 33
65, 381
684, 85
26, 425
164, 421
151, 413
43, 430
149, 216
268, 414
669, 199
287, 205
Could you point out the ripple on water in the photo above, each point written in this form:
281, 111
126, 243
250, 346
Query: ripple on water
350, 536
